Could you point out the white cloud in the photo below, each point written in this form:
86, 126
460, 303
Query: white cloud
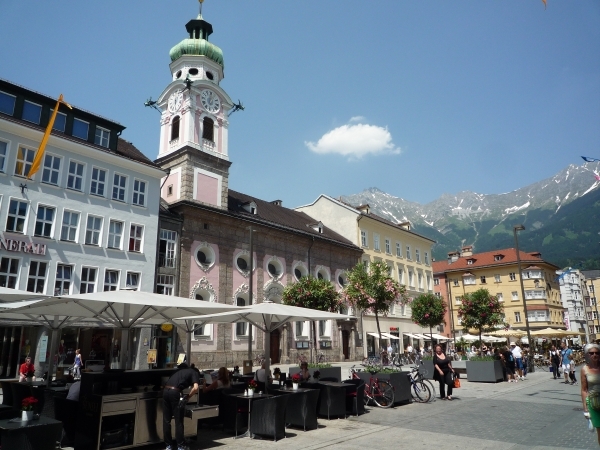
358, 119
355, 141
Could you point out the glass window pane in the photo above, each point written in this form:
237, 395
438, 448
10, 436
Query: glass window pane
80, 129
31, 112
7, 103
59, 122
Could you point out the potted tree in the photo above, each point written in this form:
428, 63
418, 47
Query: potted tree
481, 311
428, 310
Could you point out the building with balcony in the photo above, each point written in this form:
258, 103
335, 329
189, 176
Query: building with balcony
592, 288
87, 221
573, 293
497, 271
407, 254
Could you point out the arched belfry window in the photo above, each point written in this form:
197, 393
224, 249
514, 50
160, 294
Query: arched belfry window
175, 128
208, 129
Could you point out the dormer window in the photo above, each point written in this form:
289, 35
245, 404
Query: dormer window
250, 207
469, 261
498, 257
318, 227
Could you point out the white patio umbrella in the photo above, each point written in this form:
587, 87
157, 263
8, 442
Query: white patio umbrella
13, 295
123, 309
268, 316
468, 338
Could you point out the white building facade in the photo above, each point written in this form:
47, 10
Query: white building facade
572, 286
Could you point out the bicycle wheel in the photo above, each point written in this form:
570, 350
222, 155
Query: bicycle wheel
383, 394
432, 389
367, 396
421, 392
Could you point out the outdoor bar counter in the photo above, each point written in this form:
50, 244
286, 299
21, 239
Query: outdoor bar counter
123, 409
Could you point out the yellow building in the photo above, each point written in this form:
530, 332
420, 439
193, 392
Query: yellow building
497, 271
407, 254
591, 290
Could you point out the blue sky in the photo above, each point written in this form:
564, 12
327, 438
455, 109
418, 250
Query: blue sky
417, 98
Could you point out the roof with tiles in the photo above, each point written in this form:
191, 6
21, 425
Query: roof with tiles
280, 216
488, 259
127, 150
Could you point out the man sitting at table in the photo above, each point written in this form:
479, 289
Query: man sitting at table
261, 374
304, 373
27, 371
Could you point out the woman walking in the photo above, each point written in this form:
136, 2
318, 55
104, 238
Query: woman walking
555, 360
590, 386
77, 364
443, 372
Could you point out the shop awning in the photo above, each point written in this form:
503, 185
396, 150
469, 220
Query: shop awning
438, 337
414, 336
420, 336
390, 336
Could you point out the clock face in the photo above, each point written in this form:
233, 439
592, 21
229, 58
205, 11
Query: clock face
210, 101
175, 101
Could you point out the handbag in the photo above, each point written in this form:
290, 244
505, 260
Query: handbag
456, 382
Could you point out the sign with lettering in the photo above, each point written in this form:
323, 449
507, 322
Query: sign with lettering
43, 348
393, 328
14, 245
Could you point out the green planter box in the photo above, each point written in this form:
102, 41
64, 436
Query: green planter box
485, 371
398, 380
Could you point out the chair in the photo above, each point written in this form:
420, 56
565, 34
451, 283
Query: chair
6, 408
267, 417
301, 410
66, 411
232, 413
355, 398
332, 401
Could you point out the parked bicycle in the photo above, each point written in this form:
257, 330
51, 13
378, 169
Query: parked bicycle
377, 391
420, 390
419, 374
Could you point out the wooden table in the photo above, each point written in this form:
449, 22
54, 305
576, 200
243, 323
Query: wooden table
250, 399
39, 434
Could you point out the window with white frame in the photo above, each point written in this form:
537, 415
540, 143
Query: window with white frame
363, 238
323, 328
408, 255
482, 279
410, 279
102, 137
470, 262
515, 295
31, 112
428, 282
500, 297
115, 234
398, 249
165, 284
80, 129
92, 230
300, 329
597, 328
455, 283
44, 221
388, 247
9, 272
51, 169
436, 281
37, 276
426, 258
25, 157
420, 280
75, 176
403, 309
3, 155
70, 223
376, 242
119, 183
517, 317
535, 294
111, 280
7, 103
98, 184
458, 300
136, 235
512, 276
64, 278
469, 280
241, 328
418, 255
438, 294
166, 248
88, 280
17, 214
60, 121
139, 193
497, 278
401, 274
133, 281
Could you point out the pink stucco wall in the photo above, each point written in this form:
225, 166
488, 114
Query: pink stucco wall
238, 280
172, 179
207, 189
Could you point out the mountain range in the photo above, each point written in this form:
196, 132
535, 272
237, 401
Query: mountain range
561, 215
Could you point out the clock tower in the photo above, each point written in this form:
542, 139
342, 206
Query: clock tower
194, 125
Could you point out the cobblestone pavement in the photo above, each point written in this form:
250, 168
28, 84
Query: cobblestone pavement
540, 413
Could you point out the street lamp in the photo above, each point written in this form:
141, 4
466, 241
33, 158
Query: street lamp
530, 367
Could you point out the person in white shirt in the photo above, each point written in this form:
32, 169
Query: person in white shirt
409, 349
261, 374
518, 355
390, 350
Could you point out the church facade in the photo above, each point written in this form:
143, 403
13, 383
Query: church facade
214, 246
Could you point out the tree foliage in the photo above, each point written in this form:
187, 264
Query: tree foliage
428, 310
313, 293
480, 311
373, 290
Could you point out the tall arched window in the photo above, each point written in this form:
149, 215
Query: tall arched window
241, 328
208, 129
175, 128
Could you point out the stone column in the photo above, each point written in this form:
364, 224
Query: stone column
340, 343
352, 343
285, 343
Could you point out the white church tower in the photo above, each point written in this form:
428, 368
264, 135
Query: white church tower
194, 125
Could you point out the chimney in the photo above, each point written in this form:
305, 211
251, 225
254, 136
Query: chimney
277, 202
536, 255
467, 251
453, 257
